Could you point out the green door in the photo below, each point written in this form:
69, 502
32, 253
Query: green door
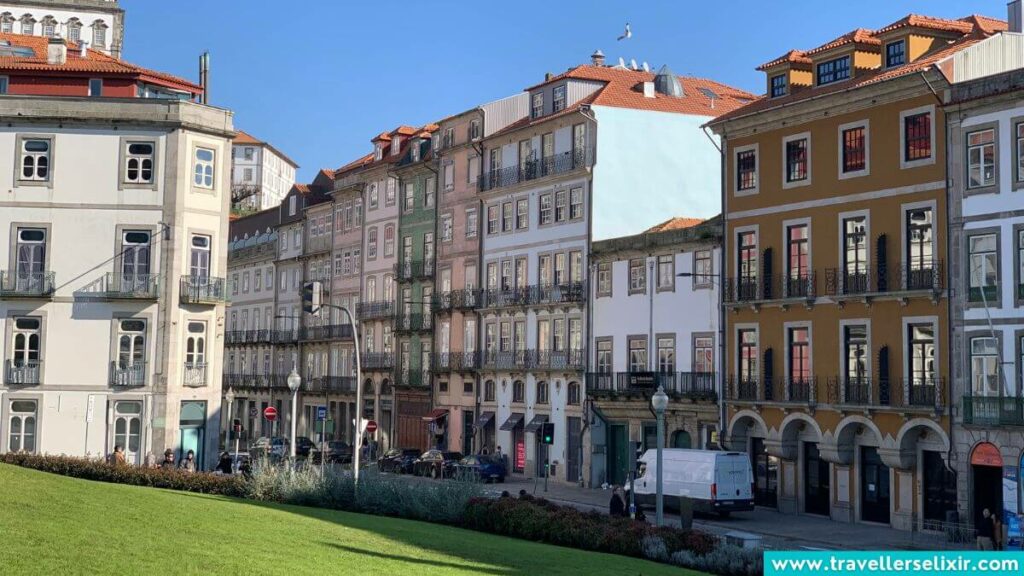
681, 439
618, 454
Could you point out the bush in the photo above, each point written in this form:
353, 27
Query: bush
725, 560
98, 470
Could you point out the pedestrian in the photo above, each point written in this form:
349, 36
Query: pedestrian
168, 463
188, 463
150, 460
499, 456
225, 465
484, 451
117, 456
617, 505
986, 531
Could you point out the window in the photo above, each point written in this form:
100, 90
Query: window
917, 137
473, 169
920, 248
489, 391
575, 203
545, 209
558, 334
798, 251
542, 392
95, 87
984, 269
579, 142
389, 241
26, 358
746, 170
7, 26
195, 345
471, 225
637, 276
22, 426
28, 26
74, 31
799, 355
778, 85
378, 151
666, 355
446, 228
474, 129
560, 206
544, 269
1020, 152
637, 354
575, 267
518, 391
374, 199
797, 160
428, 248
855, 254
922, 355
573, 394
537, 107
506, 217
895, 53
855, 350
492, 276
833, 70
981, 158
430, 193
35, 159
854, 150
575, 334
604, 279
748, 355
492, 219
99, 36
559, 277
449, 137
704, 354
389, 192
747, 246
506, 275
505, 337
703, 273
558, 98
4, 84
666, 272
371, 243
522, 214
203, 176
409, 198
984, 366
521, 279
448, 173
131, 346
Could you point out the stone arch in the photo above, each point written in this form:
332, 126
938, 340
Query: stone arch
744, 425
794, 428
681, 439
903, 453
851, 431
368, 387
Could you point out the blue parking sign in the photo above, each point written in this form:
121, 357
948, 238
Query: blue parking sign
321, 412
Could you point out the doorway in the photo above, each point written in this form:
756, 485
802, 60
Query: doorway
816, 481
939, 488
766, 474
986, 481
874, 486
618, 454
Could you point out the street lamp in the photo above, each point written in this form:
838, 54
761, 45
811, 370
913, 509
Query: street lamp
229, 397
294, 381
660, 402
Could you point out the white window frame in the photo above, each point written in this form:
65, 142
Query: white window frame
786, 184
866, 125
904, 163
757, 170
204, 172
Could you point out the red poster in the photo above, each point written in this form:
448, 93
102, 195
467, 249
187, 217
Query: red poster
520, 455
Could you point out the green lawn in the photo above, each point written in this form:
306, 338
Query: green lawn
55, 525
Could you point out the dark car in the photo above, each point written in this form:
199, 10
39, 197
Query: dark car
480, 468
436, 464
337, 452
303, 446
398, 460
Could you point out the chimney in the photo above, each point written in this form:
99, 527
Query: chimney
204, 77
597, 58
1015, 16
57, 51
85, 49
548, 76
649, 89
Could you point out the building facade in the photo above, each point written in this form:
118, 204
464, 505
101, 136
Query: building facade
261, 175
100, 23
836, 320
654, 323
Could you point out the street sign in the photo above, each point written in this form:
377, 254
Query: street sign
254, 412
325, 427
371, 426
270, 413
321, 412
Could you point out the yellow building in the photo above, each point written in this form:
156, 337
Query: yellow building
834, 286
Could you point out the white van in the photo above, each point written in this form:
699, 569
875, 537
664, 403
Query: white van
720, 482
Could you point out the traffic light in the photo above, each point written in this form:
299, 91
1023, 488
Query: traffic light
236, 425
311, 297
547, 433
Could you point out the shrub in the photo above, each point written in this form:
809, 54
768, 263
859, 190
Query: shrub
725, 560
98, 470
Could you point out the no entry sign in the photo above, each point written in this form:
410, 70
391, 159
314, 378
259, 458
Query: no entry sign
270, 413
371, 426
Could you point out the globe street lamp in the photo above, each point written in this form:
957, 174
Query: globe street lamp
660, 402
229, 397
294, 381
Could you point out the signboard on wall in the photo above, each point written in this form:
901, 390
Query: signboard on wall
520, 455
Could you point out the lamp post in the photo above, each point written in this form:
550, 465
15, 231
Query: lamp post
660, 402
294, 382
229, 397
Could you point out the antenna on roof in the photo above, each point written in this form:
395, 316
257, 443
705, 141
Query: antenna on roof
622, 63
632, 64
645, 67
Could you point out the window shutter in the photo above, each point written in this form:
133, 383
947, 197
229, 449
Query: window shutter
881, 264
768, 369
766, 277
883, 375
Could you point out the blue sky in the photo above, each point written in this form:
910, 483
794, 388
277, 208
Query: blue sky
319, 78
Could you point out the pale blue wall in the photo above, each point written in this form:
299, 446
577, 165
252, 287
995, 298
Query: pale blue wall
651, 166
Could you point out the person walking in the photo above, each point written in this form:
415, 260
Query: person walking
168, 463
225, 465
617, 505
986, 531
188, 463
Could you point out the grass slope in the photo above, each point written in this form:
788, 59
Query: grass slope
56, 525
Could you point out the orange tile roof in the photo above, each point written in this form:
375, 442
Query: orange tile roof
358, 163
327, 173
981, 27
676, 223
95, 62
792, 57
861, 36
929, 23
243, 137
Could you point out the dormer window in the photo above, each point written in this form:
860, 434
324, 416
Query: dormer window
378, 151
833, 70
895, 53
778, 85
474, 129
449, 137
415, 153
396, 145
537, 110
558, 99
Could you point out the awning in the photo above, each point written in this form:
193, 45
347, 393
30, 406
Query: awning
535, 424
514, 420
484, 419
435, 414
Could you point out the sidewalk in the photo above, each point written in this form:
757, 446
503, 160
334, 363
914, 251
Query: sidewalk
778, 531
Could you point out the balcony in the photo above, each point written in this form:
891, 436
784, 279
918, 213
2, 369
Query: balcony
802, 390
255, 382
23, 373
235, 337
284, 336
693, 385
377, 361
535, 295
203, 290
547, 166
456, 361
317, 244
326, 332
330, 385
923, 392
993, 410
414, 323
468, 299
127, 376
858, 391
415, 270
374, 310
17, 284
927, 277
518, 360
743, 389
572, 360
117, 286
194, 374
413, 379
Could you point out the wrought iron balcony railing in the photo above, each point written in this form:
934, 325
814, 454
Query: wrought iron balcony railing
802, 389
18, 284
534, 169
535, 295
456, 361
415, 322
412, 379
373, 310
17, 373
467, 299
858, 391
129, 286
414, 270
286, 336
248, 337
330, 385
993, 410
247, 381
377, 361
923, 392
131, 375
203, 290
194, 374
694, 385
326, 332
744, 389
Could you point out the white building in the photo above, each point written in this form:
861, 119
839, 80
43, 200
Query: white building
100, 23
112, 292
261, 175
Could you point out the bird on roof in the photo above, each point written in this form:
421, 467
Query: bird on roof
627, 34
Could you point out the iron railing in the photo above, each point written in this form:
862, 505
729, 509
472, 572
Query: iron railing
194, 374
415, 322
695, 385
331, 385
325, 332
455, 361
127, 375
284, 336
372, 310
993, 410
533, 169
246, 381
468, 299
321, 243
535, 295
923, 392
18, 284
377, 361
130, 286
248, 337
412, 270
858, 391
23, 373
803, 389
533, 360
740, 388
412, 379
203, 290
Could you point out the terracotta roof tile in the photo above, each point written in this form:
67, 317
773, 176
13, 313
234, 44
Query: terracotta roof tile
243, 137
792, 57
928, 22
358, 163
861, 36
676, 223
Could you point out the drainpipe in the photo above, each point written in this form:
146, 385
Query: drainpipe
722, 251
586, 112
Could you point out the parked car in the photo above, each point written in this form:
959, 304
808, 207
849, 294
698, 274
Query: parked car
398, 460
337, 452
276, 447
481, 468
436, 464
303, 446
